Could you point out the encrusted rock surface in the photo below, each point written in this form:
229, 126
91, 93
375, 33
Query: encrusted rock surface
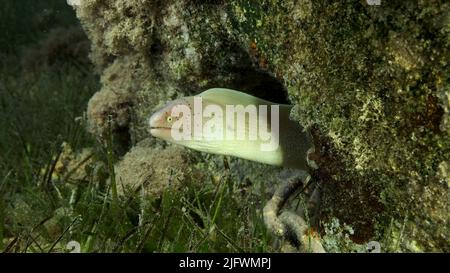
371, 82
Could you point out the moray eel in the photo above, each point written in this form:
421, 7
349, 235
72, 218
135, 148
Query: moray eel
294, 144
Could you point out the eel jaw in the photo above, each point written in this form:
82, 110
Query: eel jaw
161, 132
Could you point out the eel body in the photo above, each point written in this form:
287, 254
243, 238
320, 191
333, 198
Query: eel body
287, 144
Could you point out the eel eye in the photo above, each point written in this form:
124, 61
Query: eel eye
169, 119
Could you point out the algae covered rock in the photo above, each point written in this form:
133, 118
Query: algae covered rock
61, 45
370, 81
156, 169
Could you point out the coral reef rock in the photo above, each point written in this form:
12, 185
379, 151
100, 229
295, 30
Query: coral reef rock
370, 81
